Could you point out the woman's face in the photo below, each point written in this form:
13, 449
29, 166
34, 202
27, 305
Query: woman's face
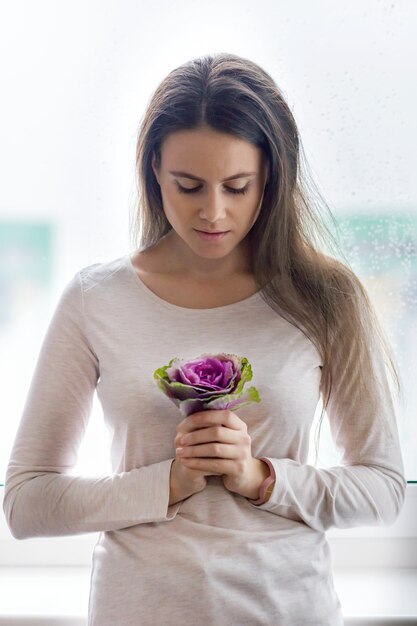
196, 195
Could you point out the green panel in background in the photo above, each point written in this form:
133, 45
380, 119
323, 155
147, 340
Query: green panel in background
25, 265
25, 250
378, 244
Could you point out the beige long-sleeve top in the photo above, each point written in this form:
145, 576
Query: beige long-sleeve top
214, 558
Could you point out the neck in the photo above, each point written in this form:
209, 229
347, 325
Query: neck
182, 260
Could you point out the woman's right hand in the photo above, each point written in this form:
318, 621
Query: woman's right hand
184, 481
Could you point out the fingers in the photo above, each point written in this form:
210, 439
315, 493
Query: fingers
203, 435
204, 419
215, 466
217, 450
216, 441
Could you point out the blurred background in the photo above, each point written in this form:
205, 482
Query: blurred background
76, 79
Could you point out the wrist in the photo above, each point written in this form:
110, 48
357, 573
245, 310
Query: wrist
260, 473
266, 487
180, 489
174, 494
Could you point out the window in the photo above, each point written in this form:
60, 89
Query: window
75, 145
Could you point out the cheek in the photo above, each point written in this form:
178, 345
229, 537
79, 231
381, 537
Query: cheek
254, 214
173, 205
256, 210
177, 211
258, 207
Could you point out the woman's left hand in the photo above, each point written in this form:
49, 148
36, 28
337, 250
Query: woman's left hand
218, 441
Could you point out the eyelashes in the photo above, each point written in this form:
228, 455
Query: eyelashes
243, 190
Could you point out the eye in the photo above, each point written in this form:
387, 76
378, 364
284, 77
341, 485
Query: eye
181, 189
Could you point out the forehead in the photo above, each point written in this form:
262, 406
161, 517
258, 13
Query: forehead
215, 152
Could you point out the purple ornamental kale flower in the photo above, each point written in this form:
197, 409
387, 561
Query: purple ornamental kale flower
207, 382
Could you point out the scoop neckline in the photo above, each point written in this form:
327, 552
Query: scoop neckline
182, 309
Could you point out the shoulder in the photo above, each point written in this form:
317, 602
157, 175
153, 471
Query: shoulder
93, 279
96, 274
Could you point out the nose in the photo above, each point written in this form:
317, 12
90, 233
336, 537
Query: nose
214, 209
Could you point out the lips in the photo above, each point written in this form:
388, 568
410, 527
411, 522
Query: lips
213, 232
214, 237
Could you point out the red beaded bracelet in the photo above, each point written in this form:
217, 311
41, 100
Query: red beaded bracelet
267, 486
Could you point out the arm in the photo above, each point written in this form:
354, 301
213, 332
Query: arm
41, 498
367, 489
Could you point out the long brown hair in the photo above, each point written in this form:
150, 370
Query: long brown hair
293, 266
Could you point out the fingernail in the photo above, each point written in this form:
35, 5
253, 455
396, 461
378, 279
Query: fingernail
179, 450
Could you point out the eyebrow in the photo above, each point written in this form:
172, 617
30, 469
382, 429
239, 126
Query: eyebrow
186, 175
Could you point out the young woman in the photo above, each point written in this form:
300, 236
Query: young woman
215, 519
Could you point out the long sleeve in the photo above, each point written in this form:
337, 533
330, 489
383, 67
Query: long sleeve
41, 498
367, 489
